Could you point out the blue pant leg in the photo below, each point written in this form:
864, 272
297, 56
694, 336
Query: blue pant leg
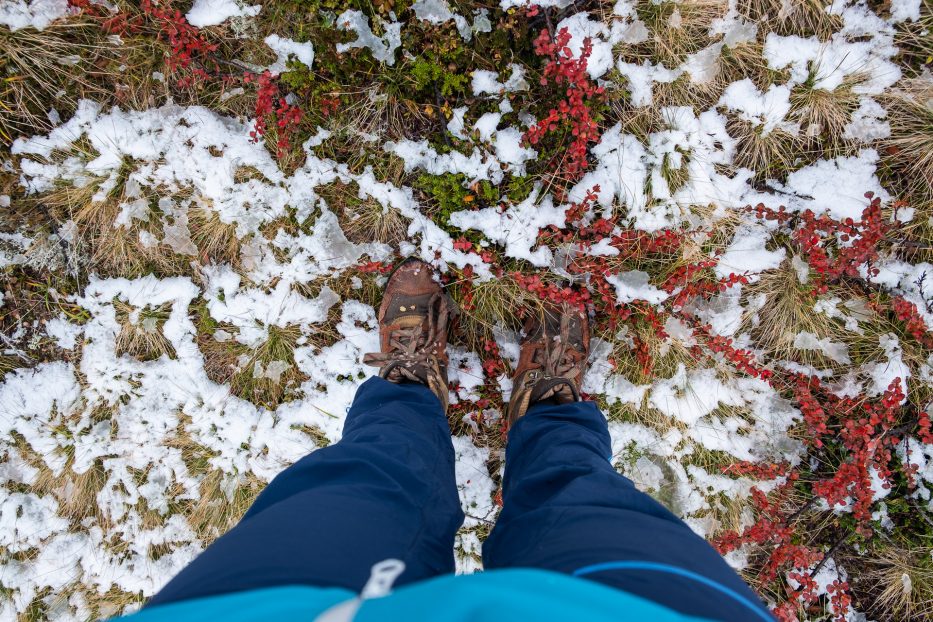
566, 509
387, 489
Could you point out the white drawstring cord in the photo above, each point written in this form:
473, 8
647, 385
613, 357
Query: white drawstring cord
382, 577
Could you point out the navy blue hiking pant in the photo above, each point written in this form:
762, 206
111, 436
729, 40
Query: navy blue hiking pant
387, 490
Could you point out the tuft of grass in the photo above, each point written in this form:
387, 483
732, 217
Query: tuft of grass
675, 176
219, 507
770, 155
913, 40
374, 112
52, 66
791, 17
368, 221
499, 302
266, 374
727, 513
823, 114
787, 311
216, 240
351, 284
76, 492
904, 580
666, 354
38, 609
639, 121
8, 364
141, 332
364, 220
909, 149
745, 60
113, 249
137, 247
111, 603
676, 29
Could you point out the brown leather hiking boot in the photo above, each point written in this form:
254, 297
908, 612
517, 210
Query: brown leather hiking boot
552, 360
413, 319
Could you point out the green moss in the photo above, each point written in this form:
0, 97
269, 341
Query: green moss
448, 192
655, 15
518, 188
427, 73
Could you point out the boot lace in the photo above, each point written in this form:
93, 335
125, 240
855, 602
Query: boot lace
412, 349
557, 358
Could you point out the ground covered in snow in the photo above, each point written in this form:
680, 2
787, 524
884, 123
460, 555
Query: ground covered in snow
199, 202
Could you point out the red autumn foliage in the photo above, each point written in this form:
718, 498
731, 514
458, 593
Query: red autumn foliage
861, 432
191, 53
550, 291
866, 430
270, 104
329, 105
923, 428
376, 266
573, 111
493, 364
190, 50
192, 62
741, 359
833, 248
466, 288
907, 312
463, 244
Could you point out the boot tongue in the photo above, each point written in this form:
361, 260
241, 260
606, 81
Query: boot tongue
407, 321
561, 389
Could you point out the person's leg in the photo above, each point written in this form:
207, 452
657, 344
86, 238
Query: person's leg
566, 509
386, 490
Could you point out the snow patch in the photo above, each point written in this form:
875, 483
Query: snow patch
213, 12
38, 14
383, 48
285, 50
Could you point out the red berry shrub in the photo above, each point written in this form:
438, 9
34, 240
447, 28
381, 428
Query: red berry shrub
271, 105
191, 52
864, 433
192, 62
573, 111
835, 249
907, 312
852, 439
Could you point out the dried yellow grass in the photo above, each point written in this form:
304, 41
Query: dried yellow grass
791, 17
787, 310
909, 149
904, 580
769, 154
676, 29
824, 114
140, 333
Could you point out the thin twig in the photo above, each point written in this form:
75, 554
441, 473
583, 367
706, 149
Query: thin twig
910, 244
830, 552
922, 512
482, 520
16, 351
547, 18
801, 510
440, 114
